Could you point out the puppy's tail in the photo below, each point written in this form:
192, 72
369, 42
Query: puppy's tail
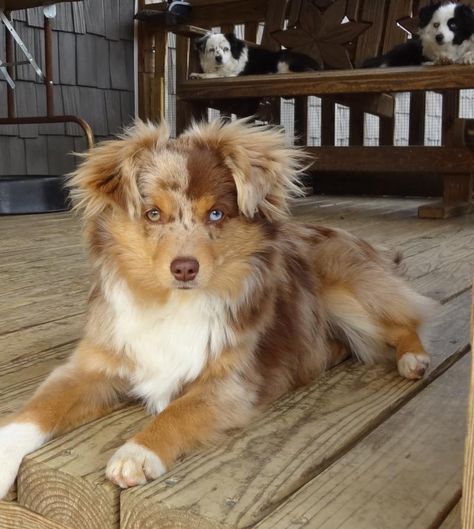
359, 322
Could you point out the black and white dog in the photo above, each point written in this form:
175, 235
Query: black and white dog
445, 36
224, 55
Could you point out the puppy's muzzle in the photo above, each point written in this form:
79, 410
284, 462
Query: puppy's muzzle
184, 268
439, 38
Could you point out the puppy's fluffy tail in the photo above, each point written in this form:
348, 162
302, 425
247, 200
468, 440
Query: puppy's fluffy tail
360, 323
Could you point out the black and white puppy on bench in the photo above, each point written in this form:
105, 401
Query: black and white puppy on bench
224, 55
446, 36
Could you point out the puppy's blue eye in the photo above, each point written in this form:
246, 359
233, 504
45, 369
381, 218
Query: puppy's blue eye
153, 215
216, 215
226, 49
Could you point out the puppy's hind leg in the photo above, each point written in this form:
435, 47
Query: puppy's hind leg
412, 359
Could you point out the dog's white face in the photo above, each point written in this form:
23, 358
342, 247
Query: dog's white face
216, 53
448, 34
442, 27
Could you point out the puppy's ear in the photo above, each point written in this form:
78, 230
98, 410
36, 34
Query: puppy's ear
426, 14
236, 45
200, 43
265, 169
465, 15
108, 173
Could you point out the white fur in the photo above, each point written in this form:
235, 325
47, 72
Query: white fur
133, 464
218, 45
413, 365
169, 344
447, 52
16, 441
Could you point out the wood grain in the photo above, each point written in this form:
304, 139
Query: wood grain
329, 82
14, 516
468, 489
453, 520
65, 482
403, 474
241, 481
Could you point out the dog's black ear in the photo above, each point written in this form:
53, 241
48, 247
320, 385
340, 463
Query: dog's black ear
200, 43
465, 14
236, 45
426, 14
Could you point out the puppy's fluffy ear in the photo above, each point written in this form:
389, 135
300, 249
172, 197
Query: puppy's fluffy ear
426, 14
108, 173
200, 43
266, 170
236, 45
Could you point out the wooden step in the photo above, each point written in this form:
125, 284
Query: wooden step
404, 474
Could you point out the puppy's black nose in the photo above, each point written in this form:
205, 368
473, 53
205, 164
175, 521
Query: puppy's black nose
439, 38
184, 268
218, 59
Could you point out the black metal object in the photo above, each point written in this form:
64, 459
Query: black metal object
32, 194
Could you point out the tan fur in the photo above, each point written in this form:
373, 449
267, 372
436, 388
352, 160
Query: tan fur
292, 299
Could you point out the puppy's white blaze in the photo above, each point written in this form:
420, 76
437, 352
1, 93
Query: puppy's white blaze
169, 344
16, 441
133, 464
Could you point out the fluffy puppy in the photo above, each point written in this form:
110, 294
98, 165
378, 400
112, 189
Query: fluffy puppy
207, 302
224, 55
446, 36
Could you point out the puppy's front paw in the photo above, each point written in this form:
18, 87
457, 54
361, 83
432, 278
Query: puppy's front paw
413, 365
16, 440
468, 58
8, 470
443, 60
133, 464
195, 76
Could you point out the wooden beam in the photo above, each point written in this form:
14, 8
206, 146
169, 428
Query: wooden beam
405, 473
330, 82
468, 489
237, 484
14, 516
456, 160
77, 494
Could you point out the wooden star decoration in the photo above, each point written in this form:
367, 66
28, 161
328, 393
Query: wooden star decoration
409, 25
321, 34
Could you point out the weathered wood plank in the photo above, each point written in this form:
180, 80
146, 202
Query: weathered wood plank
14, 516
453, 520
404, 474
78, 495
330, 82
237, 484
468, 490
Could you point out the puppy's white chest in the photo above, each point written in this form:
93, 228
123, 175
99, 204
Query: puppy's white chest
169, 344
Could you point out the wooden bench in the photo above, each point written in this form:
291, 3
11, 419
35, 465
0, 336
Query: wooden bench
361, 90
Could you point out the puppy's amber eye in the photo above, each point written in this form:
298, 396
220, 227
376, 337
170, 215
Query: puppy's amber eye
215, 215
153, 215
436, 25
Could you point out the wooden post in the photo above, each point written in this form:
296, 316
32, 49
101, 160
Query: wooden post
468, 488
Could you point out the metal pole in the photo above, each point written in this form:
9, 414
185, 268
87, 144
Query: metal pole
9, 52
48, 51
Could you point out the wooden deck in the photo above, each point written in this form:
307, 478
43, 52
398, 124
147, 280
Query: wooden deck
359, 449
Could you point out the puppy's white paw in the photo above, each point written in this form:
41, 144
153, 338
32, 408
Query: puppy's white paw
16, 440
133, 464
413, 365
468, 58
195, 76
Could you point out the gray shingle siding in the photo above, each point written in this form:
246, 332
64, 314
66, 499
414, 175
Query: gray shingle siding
93, 75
